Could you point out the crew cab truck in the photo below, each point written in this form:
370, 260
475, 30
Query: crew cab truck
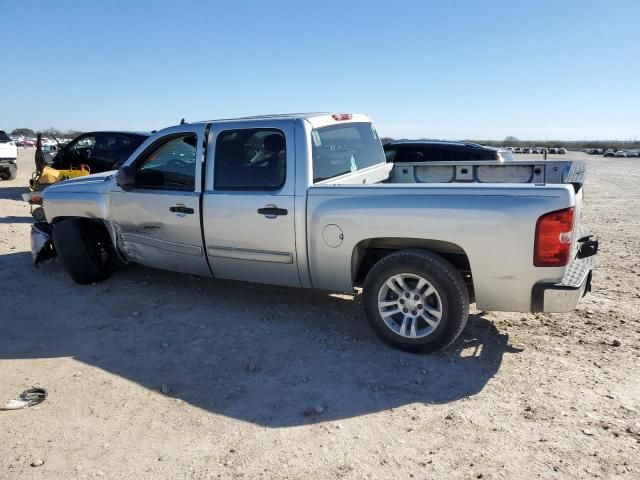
308, 200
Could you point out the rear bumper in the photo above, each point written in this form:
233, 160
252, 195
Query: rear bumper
564, 296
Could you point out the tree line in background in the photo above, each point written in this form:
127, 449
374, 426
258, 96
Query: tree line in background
49, 132
568, 144
507, 142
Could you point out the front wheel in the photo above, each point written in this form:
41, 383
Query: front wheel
11, 173
416, 301
84, 249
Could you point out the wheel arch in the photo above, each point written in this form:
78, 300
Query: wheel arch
367, 253
97, 225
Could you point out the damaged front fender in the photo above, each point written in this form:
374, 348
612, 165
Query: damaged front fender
42, 247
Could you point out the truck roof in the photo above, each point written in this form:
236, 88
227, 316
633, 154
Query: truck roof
315, 118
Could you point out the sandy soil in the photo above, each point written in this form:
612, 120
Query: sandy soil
519, 396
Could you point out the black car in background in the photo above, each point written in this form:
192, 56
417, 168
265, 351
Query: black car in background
439, 151
100, 151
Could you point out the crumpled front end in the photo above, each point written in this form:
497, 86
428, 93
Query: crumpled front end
42, 248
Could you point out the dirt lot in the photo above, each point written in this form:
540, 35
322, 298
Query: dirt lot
519, 396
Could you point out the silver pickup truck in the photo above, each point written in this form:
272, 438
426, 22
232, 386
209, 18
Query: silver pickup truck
307, 200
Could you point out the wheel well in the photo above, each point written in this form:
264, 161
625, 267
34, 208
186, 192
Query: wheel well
368, 252
95, 225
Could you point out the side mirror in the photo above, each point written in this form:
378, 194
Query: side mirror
126, 177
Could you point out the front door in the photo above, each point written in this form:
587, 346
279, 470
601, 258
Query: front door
159, 218
248, 205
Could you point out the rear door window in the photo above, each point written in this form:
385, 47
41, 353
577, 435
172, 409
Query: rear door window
250, 159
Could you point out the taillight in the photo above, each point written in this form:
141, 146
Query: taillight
341, 116
554, 234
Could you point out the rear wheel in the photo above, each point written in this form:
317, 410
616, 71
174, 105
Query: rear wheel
85, 250
416, 301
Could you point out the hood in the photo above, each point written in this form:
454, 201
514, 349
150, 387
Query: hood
96, 183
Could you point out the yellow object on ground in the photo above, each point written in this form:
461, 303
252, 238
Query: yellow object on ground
51, 175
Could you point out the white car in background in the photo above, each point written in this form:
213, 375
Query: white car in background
8, 157
621, 153
50, 150
633, 153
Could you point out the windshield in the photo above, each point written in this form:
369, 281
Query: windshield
345, 148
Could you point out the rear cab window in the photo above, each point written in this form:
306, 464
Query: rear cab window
345, 148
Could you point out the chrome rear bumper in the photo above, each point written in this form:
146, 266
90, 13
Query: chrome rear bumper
564, 296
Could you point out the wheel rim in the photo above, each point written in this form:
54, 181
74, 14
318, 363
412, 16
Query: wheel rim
409, 305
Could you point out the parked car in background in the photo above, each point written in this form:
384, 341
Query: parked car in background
50, 150
621, 153
100, 151
526, 150
8, 157
562, 151
633, 153
609, 152
517, 150
439, 151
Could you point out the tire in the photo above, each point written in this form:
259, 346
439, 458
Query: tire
10, 173
13, 172
434, 314
84, 251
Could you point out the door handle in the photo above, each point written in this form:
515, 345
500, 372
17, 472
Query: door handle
181, 209
271, 211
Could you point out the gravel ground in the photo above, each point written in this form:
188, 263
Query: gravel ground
159, 375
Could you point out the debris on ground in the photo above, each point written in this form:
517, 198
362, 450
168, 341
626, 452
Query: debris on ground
28, 398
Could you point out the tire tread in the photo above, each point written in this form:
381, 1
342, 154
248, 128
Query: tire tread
434, 265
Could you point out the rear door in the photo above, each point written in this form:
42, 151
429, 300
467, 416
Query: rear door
248, 203
159, 218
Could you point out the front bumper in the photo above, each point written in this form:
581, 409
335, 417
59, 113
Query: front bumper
41, 243
5, 163
564, 296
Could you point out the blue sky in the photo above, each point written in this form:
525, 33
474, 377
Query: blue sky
441, 69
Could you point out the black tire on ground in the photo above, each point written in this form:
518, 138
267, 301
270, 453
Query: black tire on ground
446, 280
10, 173
83, 250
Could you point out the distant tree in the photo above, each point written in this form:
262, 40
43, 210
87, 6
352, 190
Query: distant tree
23, 132
510, 140
51, 132
71, 134
386, 140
